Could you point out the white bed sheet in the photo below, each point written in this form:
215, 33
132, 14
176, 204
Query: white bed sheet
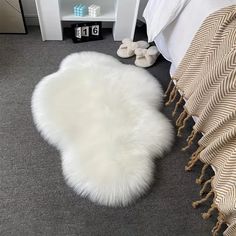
175, 39
159, 14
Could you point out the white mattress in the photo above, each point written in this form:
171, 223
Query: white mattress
175, 39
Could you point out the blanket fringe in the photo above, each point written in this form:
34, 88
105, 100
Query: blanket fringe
199, 180
191, 163
172, 96
168, 88
194, 158
197, 203
179, 134
190, 139
192, 135
181, 117
205, 186
177, 105
220, 222
207, 215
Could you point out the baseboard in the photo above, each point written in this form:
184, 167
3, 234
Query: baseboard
31, 20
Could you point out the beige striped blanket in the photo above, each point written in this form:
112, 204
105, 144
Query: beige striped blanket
206, 80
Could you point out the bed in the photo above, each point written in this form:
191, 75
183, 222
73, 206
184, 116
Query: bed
181, 19
174, 38
198, 38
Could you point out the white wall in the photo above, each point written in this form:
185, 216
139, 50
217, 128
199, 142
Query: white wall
29, 8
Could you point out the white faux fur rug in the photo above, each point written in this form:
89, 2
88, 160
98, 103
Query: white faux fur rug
103, 117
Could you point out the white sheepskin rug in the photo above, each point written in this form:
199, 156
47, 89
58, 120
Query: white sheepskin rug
103, 117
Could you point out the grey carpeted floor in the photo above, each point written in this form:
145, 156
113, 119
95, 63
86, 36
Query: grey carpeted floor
34, 199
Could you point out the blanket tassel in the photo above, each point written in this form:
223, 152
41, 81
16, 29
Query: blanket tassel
207, 214
179, 134
205, 186
220, 222
172, 96
190, 139
220, 219
194, 158
181, 117
168, 88
197, 203
199, 180
191, 163
177, 105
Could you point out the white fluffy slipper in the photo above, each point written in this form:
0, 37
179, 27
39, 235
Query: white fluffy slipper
103, 117
146, 57
128, 47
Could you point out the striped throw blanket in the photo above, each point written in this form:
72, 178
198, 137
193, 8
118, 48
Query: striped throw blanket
206, 80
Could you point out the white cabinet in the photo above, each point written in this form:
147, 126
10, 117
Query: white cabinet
123, 14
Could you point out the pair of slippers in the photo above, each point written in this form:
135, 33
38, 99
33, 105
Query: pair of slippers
146, 55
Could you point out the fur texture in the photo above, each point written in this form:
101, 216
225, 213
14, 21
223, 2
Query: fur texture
103, 117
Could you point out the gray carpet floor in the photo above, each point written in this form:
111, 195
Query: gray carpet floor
34, 199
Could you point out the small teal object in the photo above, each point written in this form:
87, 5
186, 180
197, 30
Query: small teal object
80, 10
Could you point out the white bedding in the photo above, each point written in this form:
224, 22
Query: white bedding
158, 14
174, 39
